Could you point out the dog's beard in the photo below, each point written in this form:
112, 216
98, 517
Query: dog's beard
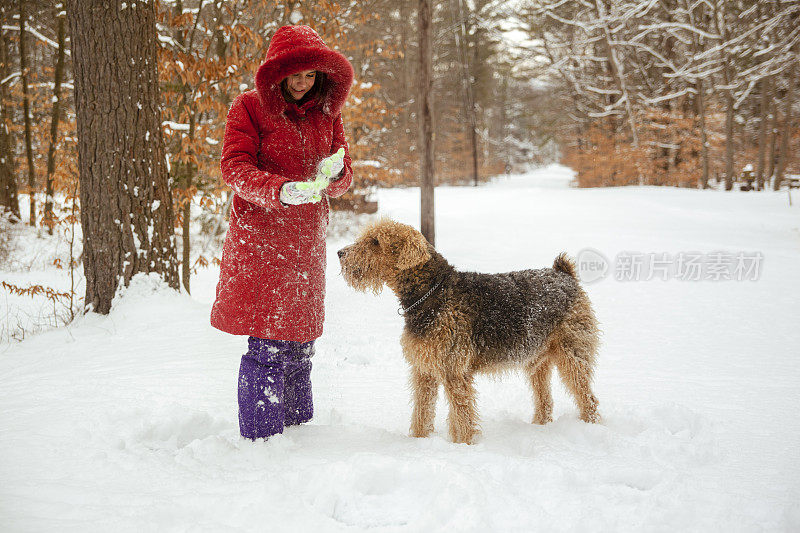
360, 280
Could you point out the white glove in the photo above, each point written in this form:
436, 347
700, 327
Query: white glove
331, 166
299, 192
304, 192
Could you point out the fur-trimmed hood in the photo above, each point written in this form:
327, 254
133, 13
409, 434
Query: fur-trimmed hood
297, 48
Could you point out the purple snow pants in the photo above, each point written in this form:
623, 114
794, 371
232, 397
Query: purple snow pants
274, 386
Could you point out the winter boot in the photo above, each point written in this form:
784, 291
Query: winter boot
297, 400
261, 390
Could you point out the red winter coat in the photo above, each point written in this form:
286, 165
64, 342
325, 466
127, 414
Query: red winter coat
272, 278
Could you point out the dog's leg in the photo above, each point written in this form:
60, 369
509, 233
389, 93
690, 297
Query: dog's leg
540, 383
576, 373
463, 418
425, 390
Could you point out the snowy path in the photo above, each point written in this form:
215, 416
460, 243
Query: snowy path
128, 422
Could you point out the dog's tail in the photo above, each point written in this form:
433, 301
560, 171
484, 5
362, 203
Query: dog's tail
566, 265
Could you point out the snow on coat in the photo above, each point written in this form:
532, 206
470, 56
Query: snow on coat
272, 277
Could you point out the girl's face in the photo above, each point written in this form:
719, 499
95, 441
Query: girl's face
300, 83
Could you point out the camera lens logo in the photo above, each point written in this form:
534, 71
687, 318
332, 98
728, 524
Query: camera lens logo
592, 265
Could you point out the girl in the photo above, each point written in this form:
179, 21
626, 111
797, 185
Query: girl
272, 277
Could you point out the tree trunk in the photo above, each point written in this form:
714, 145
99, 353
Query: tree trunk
126, 205
469, 97
51, 152
722, 26
701, 105
474, 142
405, 69
786, 135
502, 102
698, 47
425, 23
772, 136
729, 131
26, 105
186, 269
186, 257
766, 95
219, 35
184, 172
8, 183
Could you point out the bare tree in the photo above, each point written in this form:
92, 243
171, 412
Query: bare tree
56, 115
721, 15
764, 111
23, 67
694, 17
459, 19
617, 67
185, 172
126, 205
786, 134
8, 182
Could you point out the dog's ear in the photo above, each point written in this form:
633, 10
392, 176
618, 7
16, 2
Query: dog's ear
411, 251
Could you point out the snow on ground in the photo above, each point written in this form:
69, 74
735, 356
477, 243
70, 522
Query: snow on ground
30, 258
128, 422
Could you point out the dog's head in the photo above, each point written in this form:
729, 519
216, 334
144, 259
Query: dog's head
383, 250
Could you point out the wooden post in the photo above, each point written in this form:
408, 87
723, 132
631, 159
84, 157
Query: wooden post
425, 23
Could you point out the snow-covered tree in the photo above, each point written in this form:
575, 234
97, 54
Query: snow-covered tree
126, 204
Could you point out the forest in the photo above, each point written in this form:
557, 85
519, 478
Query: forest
655, 92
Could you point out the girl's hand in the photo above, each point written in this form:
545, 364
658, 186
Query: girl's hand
331, 166
318, 185
304, 192
299, 192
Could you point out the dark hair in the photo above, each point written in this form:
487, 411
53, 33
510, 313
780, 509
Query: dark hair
313, 92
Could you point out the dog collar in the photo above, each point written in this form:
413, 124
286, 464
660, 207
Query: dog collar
403, 311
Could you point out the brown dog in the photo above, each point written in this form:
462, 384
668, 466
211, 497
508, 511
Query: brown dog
462, 323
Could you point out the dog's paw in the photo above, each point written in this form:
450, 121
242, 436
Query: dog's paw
466, 437
420, 432
592, 417
541, 419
